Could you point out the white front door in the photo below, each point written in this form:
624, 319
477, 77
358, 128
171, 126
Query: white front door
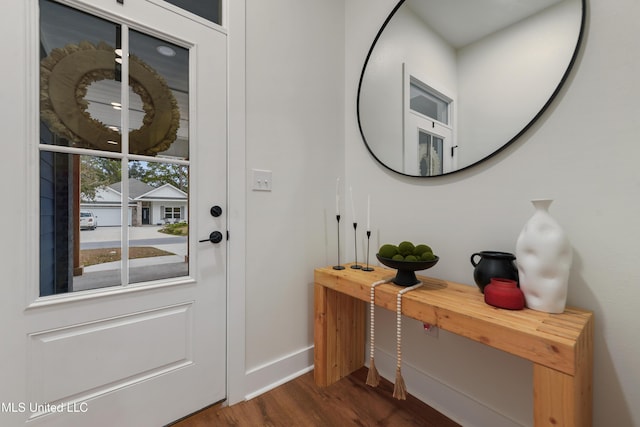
121, 325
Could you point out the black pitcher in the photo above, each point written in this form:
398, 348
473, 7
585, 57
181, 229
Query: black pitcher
493, 264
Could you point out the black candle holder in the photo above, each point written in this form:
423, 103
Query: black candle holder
338, 266
367, 268
355, 241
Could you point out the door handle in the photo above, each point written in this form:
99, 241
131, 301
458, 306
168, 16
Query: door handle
214, 237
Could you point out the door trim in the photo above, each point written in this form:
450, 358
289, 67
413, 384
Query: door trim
237, 185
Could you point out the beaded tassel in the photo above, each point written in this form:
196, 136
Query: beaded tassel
399, 389
373, 377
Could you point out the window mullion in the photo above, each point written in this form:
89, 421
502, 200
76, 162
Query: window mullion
124, 120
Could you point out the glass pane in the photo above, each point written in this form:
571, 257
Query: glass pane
82, 206
159, 113
425, 102
430, 154
80, 225
210, 10
79, 78
158, 236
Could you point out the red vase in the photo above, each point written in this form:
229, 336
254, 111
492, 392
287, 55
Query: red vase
504, 293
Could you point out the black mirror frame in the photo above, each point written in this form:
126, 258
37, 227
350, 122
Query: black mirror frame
565, 76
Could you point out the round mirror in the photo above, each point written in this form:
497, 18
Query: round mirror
449, 83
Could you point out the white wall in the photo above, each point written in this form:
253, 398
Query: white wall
294, 127
582, 153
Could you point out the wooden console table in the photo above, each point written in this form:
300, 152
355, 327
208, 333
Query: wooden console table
559, 345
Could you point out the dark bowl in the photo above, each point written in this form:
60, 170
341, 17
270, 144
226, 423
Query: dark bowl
406, 275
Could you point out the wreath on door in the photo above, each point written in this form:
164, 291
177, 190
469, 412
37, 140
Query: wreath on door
65, 76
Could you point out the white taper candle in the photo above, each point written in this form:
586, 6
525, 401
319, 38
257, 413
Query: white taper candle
369, 213
353, 208
338, 196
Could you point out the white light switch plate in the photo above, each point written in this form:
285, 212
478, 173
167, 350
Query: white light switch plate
261, 180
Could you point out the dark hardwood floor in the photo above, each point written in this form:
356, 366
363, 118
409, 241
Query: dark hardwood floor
299, 403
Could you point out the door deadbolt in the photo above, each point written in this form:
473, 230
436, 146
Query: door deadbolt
215, 211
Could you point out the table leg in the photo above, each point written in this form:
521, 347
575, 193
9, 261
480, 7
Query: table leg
339, 335
560, 399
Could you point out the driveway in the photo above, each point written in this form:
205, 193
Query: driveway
142, 269
112, 234
110, 237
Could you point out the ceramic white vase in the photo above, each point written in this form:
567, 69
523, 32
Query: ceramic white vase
543, 257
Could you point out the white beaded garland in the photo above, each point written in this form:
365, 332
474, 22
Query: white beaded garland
372, 377
372, 296
399, 322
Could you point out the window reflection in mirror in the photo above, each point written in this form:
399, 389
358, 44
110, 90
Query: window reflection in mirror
427, 102
427, 129
430, 155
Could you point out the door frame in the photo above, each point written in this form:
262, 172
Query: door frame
236, 193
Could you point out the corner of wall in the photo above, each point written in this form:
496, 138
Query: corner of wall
270, 375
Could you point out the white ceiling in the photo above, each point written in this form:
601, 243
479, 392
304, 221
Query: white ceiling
461, 22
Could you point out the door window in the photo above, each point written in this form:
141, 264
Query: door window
428, 128
104, 191
430, 156
211, 10
428, 102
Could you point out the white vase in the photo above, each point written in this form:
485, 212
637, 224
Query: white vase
543, 257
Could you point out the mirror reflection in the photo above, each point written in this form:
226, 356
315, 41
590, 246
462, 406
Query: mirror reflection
448, 83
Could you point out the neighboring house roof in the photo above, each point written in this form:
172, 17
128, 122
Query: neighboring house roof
136, 188
164, 192
138, 191
107, 194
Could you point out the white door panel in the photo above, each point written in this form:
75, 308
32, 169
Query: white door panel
140, 354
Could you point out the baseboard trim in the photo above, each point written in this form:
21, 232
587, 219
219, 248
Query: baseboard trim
263, 378
458, 406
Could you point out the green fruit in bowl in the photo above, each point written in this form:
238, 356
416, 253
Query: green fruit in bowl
427, 256
388, 251
407, 251
420, 249
406, 248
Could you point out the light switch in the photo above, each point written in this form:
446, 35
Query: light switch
261, 180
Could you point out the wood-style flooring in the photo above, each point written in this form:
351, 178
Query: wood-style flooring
300, 403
